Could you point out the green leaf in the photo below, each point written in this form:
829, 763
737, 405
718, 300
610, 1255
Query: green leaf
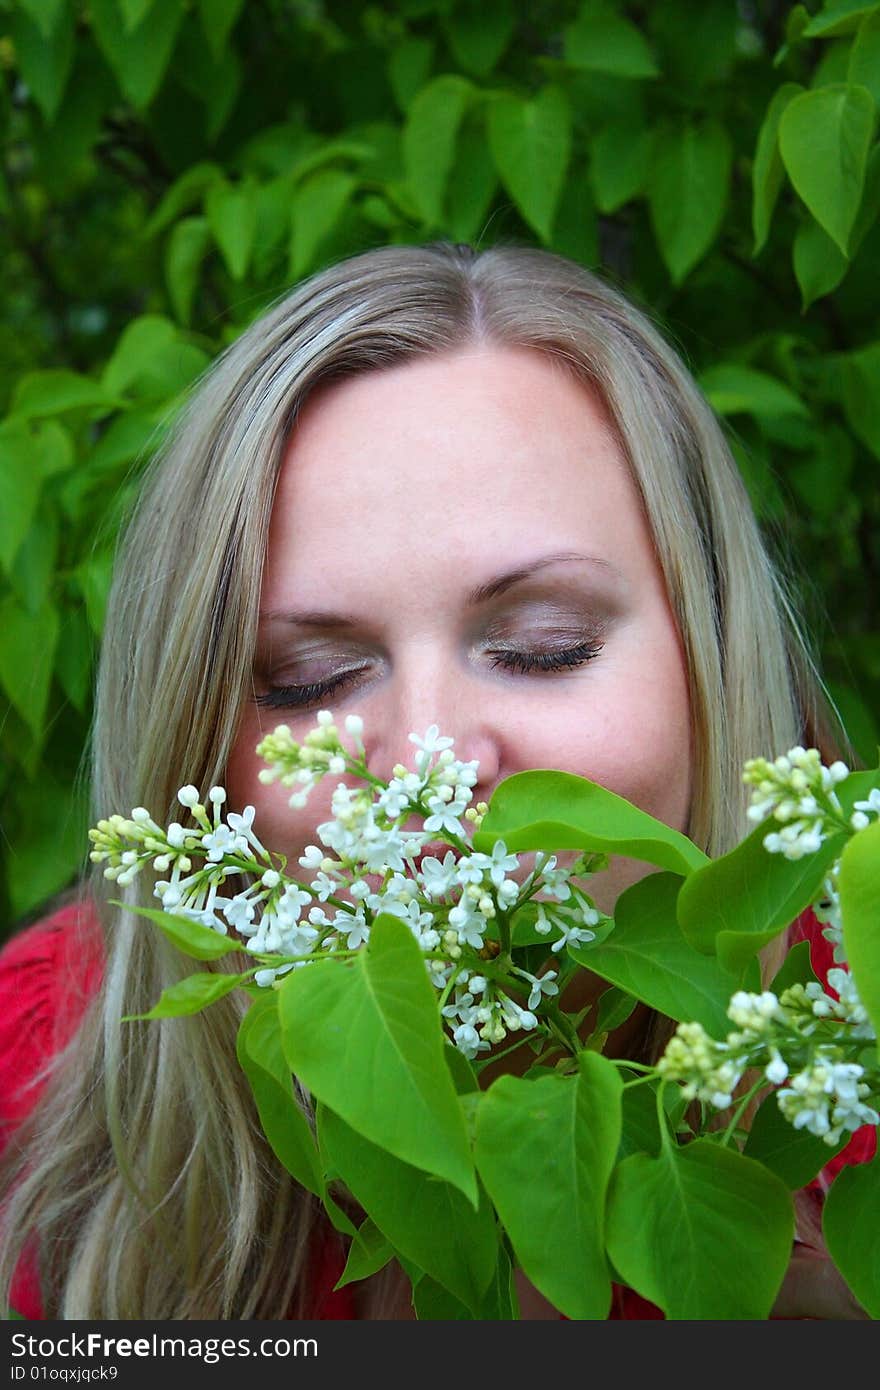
231, 210
619, 164
545, 1150
864, 58
433, 1303
34, 568
369, 1252
186, 249
261, 1057
859, 886
138, 56
27, 653
819, 265
45, 13
186, 192
701, 1231
794, 1155
850, 1221
218, 18
74, 656
732, 389
134, 11
824, 138
687, 192
479, 34
20, 487
575, 229
647, 955
429, 135
427, 1221
45, 833
409, 64
796, 969
365, 1037
191, 995
739, 902
318, 205
600, 40
94, 576
861, 395
839, 17
768, 171
640, 1131
470, 194
45, 60
57, 390
559, 810
152, 361
194, 940
530, 142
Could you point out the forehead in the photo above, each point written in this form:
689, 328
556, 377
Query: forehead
469, 459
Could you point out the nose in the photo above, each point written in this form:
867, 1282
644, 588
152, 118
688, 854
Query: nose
421, 696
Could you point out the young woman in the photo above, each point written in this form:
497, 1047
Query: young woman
427, 487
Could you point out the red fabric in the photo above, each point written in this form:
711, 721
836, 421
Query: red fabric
48, 973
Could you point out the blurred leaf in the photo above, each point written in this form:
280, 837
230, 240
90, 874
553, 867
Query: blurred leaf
864, 61
57, 390
839, 17
74, 656
318, 204
861, 395
133, 11
768, 171
186, 249
819, 265
619, 164
186, 192
231, 210
218, 19
140, 55
479, 34
600, 40
45, 13
45, 60
688, 190
530, 142
575, 231
20, 486
152, 361
47, 840
93, 575
34, 566
27, 653
731, 388
472, 189
409, 65
824, 138
432, 123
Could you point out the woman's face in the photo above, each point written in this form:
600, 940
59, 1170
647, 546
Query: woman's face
457, 541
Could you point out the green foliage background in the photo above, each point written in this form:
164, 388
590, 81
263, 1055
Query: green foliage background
171, 166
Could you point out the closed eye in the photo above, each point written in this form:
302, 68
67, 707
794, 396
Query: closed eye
525, 662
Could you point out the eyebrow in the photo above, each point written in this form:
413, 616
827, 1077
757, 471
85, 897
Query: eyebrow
480, 594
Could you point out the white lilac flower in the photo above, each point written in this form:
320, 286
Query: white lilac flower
432, 742
438, 877
445, 818
541, 985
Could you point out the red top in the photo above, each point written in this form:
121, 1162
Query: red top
50, 971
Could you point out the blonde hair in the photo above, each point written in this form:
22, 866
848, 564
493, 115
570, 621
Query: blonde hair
144, 1175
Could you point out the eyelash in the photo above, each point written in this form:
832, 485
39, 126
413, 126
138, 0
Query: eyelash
521, 663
